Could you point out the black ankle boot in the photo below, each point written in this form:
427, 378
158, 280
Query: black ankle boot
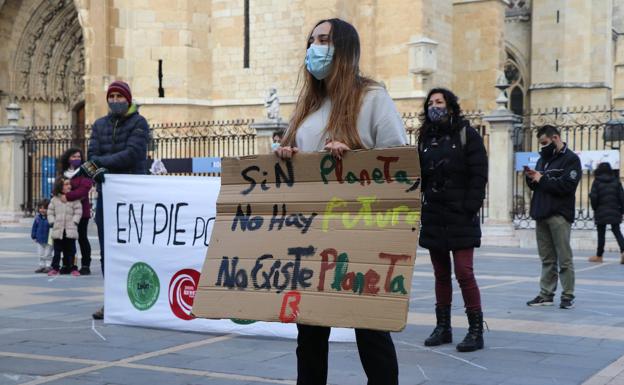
442, 334
474, 339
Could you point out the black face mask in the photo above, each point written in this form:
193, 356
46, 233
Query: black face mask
548, 151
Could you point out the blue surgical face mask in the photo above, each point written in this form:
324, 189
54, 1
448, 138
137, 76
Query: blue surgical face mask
274, 146
437, 114
118, 108
318, 60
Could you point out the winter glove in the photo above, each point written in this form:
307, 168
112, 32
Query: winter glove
98, 176
88, 169
93, 171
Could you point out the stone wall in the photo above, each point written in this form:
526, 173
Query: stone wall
571, 61
438, 25
478, 51
201, 45
618, 53
518, 42
98, 27
202, 51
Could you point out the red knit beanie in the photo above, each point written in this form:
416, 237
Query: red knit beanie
121, 87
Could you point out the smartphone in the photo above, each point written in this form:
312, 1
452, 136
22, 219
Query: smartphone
526, 168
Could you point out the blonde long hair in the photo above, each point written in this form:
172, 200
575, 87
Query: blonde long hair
344, 85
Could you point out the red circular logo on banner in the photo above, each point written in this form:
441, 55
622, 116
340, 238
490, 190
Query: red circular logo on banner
182, 293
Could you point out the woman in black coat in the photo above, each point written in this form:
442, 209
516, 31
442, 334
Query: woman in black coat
453, 165
607, 201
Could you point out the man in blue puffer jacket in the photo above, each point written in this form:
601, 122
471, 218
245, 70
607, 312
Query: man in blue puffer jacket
118, 145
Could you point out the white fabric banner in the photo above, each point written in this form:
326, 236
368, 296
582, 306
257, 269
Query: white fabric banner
157, 230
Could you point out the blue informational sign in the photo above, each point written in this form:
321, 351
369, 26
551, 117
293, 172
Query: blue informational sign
526, 159
48, 172
206, 164
589, 159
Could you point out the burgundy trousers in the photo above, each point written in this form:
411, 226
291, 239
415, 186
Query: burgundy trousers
462, 261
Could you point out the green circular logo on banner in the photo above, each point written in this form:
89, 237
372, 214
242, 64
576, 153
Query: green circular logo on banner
143, 286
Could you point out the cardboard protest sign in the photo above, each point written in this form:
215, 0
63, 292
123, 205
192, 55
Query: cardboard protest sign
314, 240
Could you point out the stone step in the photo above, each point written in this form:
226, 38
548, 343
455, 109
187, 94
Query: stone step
507, 236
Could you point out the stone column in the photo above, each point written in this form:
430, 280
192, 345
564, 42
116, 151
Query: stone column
618, 81
12, 170
501, 164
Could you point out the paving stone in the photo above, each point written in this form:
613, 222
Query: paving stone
130, 376
12, 365
61, 327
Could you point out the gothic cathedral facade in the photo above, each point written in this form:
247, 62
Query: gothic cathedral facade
192, 60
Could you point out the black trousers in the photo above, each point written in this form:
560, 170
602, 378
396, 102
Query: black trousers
67, 246
83, 241
615, 229
99, 221
376, 350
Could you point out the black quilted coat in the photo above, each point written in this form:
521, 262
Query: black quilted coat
453, 185
607, 199
120, 143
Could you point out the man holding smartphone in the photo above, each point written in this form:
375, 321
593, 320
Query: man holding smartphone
554, 181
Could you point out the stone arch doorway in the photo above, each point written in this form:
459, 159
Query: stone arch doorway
45, 60
42, 67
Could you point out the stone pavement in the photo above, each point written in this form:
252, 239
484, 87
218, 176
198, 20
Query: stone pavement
47, 335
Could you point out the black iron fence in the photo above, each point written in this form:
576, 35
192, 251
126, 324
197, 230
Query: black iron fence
43, 146
583, 129
202, 139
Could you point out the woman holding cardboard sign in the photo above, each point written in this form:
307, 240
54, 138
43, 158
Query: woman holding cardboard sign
339, 110
454, 168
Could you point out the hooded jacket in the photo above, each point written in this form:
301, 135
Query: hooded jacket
607, 199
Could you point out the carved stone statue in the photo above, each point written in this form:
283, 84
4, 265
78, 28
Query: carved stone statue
271, 103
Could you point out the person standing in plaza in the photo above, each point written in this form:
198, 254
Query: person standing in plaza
339, 110
554, 182
81, 186
607, 201
39, 233
454, 169
118, 145
64, 217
